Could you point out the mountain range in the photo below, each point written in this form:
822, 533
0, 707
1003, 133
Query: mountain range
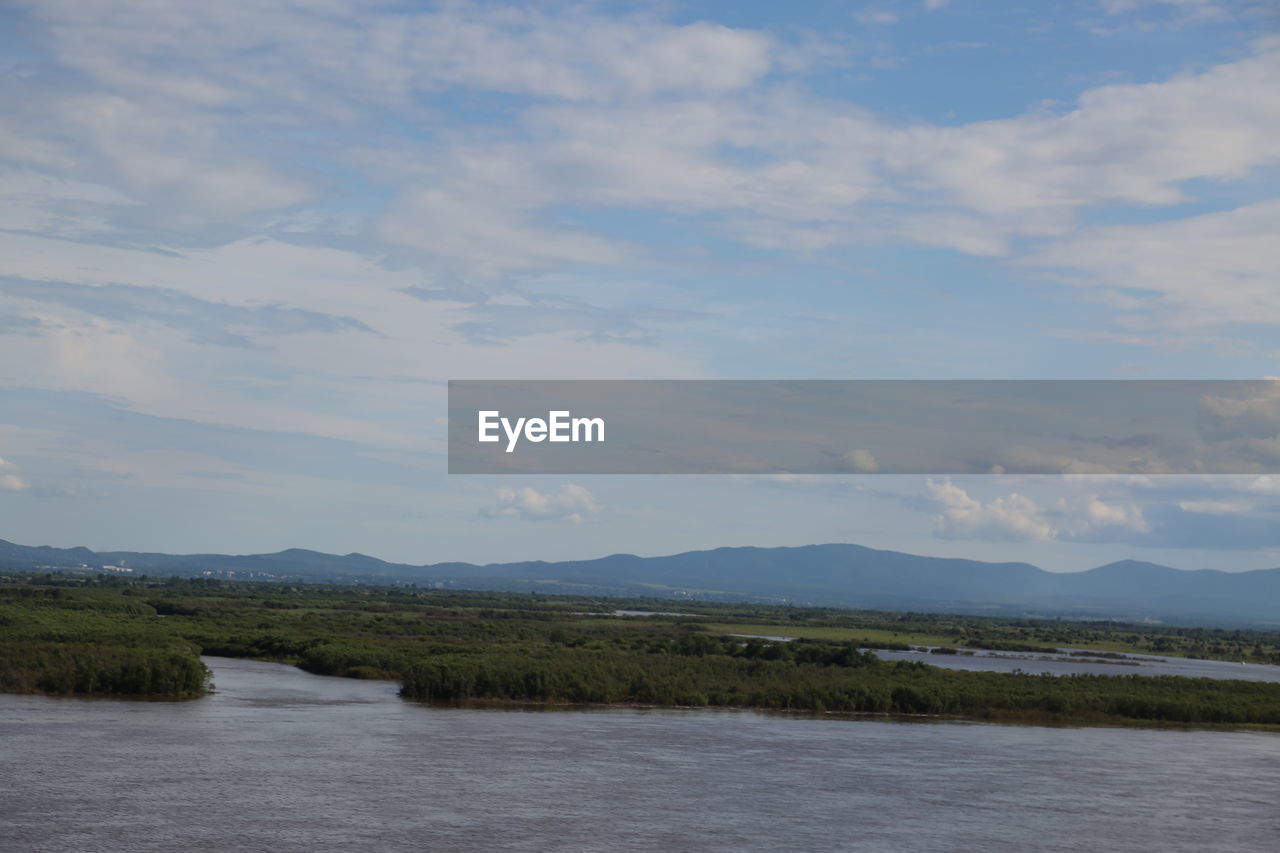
838, 575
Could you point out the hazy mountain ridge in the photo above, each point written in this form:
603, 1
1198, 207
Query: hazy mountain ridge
849, 575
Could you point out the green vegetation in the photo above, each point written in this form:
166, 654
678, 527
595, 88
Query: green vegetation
93, 642
65, 634
730, 676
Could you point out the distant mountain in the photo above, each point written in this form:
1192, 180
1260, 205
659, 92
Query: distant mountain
844, 575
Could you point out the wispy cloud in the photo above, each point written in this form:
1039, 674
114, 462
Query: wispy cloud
1194, 273
206, 322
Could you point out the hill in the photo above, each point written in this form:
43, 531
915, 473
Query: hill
838, 574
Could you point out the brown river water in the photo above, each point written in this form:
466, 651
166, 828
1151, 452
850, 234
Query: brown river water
280, 760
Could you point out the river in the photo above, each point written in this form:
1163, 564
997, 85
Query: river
280, 760
1067, 664
1069, 661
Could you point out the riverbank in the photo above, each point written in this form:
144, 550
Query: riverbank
1006, 718
143, 639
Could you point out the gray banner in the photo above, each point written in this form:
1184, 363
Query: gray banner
864, 427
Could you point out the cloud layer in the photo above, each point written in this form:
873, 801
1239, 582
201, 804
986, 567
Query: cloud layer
294, 221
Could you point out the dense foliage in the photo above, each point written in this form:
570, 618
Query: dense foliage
171, 672
97, 644
864, 685
140, 637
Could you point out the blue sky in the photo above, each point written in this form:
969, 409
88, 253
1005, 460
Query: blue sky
243, 245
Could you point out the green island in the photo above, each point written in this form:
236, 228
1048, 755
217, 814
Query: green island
142, 637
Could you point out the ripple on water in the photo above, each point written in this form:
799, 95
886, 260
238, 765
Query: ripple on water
282, 760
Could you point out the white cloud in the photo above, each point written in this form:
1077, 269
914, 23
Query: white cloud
312, 383
1248, 425
862, 461
1257, 415
190, 117
283, 50
1215, 507
1014, 518
789, 170
572, 503
475, 151
1129, 144
1093, 518
1201, 271
1188, 11
183, 167
576, 55
9, 481
36, 201
627, 113
1266, 484
12, 483
487, 235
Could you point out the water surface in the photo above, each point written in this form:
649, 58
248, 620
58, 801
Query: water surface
280, 760
1066, 664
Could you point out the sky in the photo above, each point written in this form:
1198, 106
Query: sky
245, 244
